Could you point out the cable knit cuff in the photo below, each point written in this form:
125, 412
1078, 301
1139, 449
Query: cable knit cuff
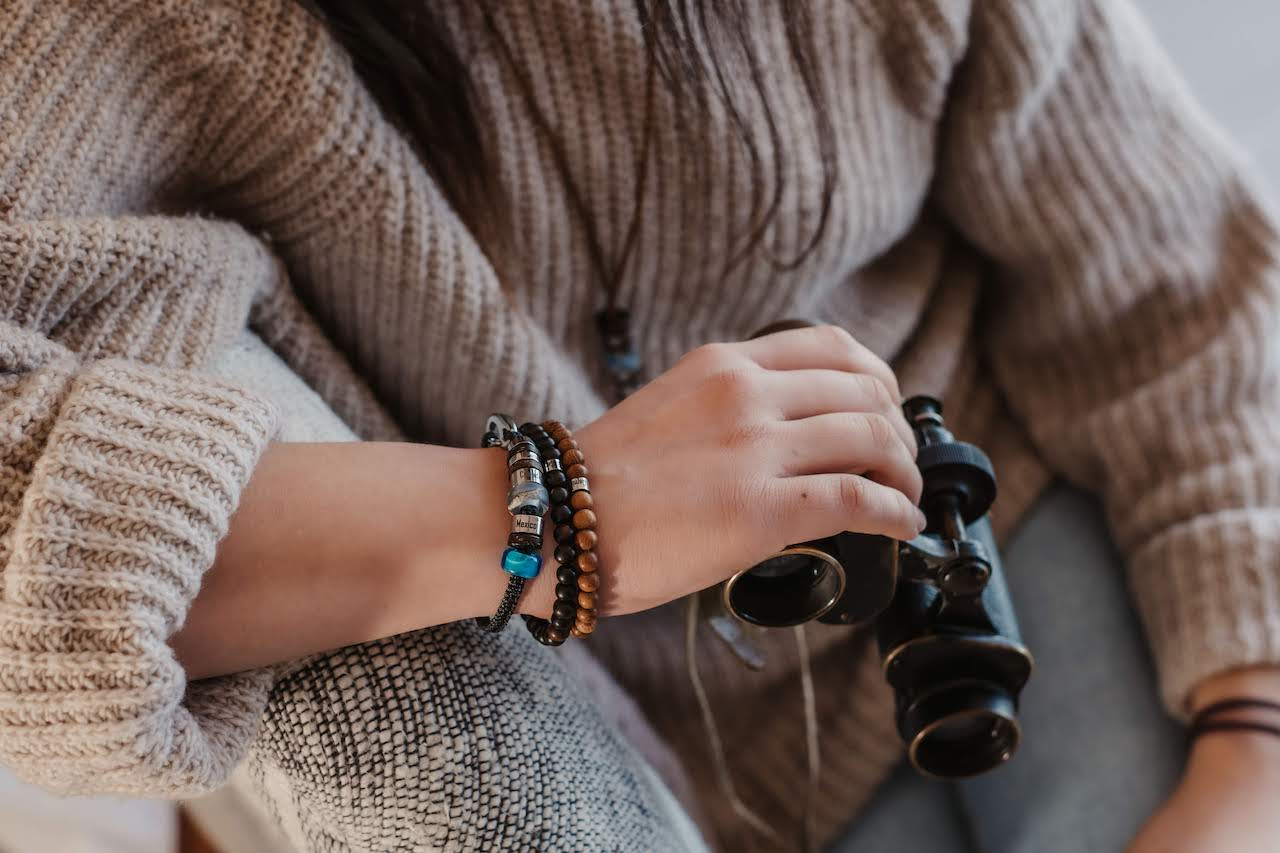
135, 486
1209, 594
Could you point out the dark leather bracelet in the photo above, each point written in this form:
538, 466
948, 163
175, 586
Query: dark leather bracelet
1205, 721
1209, 727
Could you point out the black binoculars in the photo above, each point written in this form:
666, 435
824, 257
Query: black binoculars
942, 615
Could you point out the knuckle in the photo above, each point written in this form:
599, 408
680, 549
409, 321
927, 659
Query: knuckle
739, 387
878, 394
838, 338
708, 357
854, 495
880, 431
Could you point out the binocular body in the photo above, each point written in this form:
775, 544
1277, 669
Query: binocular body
941, 611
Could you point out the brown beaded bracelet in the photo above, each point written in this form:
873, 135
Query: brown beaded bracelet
573, 513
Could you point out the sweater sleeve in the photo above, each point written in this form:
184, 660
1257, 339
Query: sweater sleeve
118, 477
1133, 321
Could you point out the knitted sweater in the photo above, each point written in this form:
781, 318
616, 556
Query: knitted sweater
1031, 219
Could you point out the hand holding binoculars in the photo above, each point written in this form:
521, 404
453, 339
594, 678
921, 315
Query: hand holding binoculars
941, 612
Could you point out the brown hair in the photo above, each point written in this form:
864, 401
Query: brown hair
402, 52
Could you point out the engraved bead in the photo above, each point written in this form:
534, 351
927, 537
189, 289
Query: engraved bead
579, 484
587, 582
585, 540
588, 562
531, 472
584, 519
551, 464
579, 500
526, 523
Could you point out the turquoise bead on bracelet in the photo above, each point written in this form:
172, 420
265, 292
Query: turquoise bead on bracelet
521, 564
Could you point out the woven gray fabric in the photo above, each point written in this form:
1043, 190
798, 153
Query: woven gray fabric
459, 740
1031, 220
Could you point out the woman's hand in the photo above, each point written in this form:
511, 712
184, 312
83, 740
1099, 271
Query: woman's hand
741, 449
1228, 796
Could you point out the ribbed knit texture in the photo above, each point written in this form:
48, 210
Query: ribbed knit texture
1031, 219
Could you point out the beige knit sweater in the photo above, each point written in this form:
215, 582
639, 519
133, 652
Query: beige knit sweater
170, 171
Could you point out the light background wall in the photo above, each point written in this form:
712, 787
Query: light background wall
1229, 51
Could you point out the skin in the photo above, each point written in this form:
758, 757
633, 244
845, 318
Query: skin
1230, 788
736, 451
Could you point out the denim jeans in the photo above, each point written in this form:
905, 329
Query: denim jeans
1098, 754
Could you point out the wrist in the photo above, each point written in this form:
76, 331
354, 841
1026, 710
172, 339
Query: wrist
1258, 682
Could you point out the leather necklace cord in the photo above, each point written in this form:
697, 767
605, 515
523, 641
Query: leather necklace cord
720, 762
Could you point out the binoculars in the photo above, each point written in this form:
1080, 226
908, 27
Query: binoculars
941, 611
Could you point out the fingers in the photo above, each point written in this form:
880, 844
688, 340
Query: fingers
807, 393
818, 347
823, 504
851, 442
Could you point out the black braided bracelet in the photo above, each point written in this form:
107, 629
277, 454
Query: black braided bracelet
527, 502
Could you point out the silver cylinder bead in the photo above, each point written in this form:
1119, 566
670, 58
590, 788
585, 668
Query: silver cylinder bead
523, 523
523, 455
520, 476
579, 484
552, 465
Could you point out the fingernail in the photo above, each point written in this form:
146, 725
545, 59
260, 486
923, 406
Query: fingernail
921, 521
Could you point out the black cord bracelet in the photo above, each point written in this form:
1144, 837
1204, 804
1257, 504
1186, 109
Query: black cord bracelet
1206, 722
527, 501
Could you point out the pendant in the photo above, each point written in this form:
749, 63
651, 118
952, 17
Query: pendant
620, 353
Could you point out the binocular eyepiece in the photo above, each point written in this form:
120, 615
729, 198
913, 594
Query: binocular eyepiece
942, 616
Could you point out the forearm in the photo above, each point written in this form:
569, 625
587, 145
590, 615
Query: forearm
334, 544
